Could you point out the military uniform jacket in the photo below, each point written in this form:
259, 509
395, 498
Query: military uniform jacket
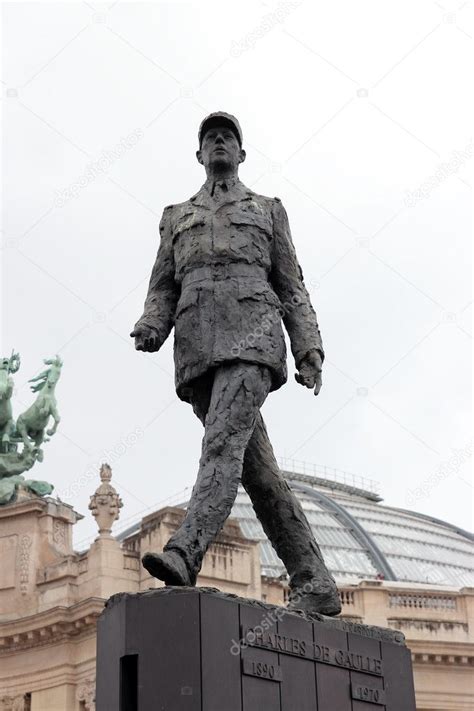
226, 275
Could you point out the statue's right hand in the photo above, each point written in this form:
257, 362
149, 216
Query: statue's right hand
146, 338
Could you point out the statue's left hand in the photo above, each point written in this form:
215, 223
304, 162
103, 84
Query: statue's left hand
309, 371
146, 338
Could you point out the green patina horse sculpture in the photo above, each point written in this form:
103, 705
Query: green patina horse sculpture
8, 366
31, 424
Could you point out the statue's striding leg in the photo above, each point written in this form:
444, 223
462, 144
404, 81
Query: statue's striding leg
238, 391
285, 524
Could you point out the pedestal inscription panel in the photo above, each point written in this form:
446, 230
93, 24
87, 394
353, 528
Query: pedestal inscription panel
196, 649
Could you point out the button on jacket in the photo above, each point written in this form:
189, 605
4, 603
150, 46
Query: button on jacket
226, 275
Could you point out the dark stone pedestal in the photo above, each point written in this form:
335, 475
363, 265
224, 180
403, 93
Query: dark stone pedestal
196, 649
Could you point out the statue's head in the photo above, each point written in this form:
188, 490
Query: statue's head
55, 361
54, 370
220, 143
50, 376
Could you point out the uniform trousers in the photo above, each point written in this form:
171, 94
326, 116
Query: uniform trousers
235, 449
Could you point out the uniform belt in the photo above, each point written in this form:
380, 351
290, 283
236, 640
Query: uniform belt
224, 271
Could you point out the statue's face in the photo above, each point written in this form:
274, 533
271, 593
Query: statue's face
220, 149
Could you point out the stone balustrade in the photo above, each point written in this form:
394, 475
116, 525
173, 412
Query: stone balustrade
423, 601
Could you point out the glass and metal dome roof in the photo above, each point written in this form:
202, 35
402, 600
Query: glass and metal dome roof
361, 538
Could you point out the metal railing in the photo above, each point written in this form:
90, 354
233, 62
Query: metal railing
339, 476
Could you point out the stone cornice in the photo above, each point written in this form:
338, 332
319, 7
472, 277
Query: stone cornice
452, 660
45, 506
51, 626
21, 507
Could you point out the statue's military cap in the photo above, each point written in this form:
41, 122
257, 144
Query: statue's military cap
220, 118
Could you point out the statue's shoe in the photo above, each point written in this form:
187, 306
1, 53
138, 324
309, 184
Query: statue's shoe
315, 595
168, 566
317, 603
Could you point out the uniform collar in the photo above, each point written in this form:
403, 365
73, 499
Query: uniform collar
203, 196
230, 183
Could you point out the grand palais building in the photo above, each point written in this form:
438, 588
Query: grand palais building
394, 568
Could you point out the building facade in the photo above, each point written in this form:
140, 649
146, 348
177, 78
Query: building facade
394, 568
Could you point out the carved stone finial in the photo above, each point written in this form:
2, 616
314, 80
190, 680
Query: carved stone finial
105, 503
105, 472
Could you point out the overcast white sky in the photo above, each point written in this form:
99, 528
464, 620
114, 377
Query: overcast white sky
348, 109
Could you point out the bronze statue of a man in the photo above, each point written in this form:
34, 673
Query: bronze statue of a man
225, 276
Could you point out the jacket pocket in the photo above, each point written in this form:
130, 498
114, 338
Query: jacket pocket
188, 222
246, 219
